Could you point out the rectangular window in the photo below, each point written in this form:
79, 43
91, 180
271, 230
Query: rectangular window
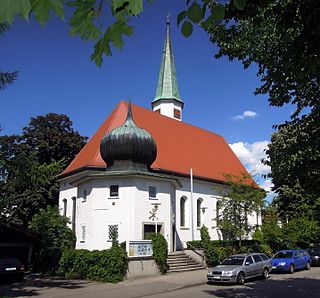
177, 113
152, 192
112, 232
83, 234
84, 199
74, 207
114, 191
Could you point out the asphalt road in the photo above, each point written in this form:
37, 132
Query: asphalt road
304, 284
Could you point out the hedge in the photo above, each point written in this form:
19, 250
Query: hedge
107, 265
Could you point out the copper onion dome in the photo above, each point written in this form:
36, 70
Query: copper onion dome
128, 146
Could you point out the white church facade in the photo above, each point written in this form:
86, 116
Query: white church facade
147, 171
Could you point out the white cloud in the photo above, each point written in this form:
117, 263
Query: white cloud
266, 185
250, 155
245, 114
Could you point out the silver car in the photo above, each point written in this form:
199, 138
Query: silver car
238, 268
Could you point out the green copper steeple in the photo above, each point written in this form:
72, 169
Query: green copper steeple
167, 84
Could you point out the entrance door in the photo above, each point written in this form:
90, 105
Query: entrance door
149, 229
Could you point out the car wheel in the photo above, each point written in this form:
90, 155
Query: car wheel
265, 273
291, 269
240, 278
308, 266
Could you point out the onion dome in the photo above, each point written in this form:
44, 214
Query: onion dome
128, 146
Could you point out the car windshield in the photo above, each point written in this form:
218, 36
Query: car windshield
233, 261
283, 255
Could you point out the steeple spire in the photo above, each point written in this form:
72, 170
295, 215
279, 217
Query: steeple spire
167, 88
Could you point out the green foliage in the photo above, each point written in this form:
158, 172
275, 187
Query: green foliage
205, 236
241, 199
266, 249
52, 229
55, 236
6, 78
160, 252
30, 163
301, 232
107, 265
258, 235
215, 254
46, 260
104, 22
294, 158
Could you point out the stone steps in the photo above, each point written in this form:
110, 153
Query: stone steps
179, 262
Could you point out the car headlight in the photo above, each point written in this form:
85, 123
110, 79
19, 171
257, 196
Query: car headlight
316, 257
282, 263
227, 273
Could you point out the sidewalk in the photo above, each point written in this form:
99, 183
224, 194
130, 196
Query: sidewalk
53, 287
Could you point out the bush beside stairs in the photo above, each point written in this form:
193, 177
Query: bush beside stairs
180, 261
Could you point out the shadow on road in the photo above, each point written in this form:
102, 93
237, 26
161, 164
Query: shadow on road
291, 287
32, 284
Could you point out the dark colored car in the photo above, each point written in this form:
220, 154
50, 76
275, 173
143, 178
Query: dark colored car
314, 252
290, 260
11, 268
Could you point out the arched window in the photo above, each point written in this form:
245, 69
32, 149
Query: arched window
199, 202
183, 211
64, 207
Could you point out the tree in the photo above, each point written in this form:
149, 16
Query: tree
55, 237
104, 22
6, 78
301, 232
52, 138
280, 37
52, 229
240, 200
30, 163
294, 158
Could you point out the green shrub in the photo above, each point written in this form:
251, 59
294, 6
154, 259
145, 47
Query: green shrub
195, 244
215, 254
160, 252
46, 260
205, 236
107, 265
266, 249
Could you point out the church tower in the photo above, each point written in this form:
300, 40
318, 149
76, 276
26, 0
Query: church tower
167, 101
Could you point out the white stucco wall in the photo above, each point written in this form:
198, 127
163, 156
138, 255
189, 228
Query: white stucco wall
133, 208
167, 108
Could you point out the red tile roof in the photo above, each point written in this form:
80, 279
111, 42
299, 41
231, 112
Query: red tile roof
181, 146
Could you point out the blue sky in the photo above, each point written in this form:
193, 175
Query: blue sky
56, 75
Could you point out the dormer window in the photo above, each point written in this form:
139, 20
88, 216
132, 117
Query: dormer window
114, 191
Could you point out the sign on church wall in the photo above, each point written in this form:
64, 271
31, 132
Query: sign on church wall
140, 248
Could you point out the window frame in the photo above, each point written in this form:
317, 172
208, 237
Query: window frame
183, 201
199, 215
83, 231
155, 189
85, 196
111, 195
116, 226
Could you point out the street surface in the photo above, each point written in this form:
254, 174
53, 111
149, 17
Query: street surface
193, 284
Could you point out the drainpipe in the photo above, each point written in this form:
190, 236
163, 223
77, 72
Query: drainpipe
191, 203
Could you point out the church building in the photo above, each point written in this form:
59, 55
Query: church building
147, 171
